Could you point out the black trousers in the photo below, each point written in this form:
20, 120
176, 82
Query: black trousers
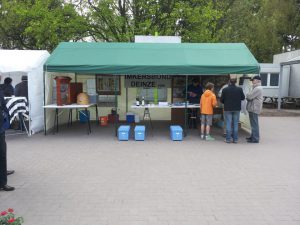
3, 160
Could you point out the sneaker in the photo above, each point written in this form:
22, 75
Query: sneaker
202, 136
228, 142
209, 138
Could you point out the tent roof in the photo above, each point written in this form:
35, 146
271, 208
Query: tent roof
21, 60
152, 58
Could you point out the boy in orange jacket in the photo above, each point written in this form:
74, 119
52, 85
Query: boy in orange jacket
207, 103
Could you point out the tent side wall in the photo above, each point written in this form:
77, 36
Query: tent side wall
16, 63
35, 94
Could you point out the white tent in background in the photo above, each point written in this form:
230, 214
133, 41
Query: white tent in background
14, 64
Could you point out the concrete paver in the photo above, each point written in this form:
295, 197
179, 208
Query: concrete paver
76, 179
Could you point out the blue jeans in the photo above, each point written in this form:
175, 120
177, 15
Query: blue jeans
254, 126
232, 117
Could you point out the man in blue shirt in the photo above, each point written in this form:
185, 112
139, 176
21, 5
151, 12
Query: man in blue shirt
194, 92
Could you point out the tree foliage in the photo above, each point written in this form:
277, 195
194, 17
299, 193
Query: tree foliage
266, 26
40, 24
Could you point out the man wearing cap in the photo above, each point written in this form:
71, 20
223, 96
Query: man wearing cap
21, 89
254, 106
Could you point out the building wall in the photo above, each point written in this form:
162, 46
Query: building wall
294, 89
293, 71
284, 57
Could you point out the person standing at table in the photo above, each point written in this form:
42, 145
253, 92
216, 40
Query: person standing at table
7, 88
194, 93
232, 97
254, 107
207, 103
3, 155
21, 89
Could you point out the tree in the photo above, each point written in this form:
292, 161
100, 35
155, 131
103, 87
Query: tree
266, 26
40, 24
120, 20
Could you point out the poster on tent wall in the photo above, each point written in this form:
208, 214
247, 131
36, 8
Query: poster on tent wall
105, 84
148, 81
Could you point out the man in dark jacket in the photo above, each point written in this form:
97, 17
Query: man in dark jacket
21, 89
194, 93
7, 88
3, 159
232, 97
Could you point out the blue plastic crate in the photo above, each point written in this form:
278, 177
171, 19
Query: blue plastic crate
123, 133
176, 133
139, 133
130, 118
83, 117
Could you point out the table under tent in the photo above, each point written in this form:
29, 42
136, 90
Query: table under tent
18, 63
148, 59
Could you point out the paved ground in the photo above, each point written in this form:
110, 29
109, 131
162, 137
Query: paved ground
280, 113
75, 179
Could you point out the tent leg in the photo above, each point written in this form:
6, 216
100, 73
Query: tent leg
116, 108
185, 108
126, 99
280, 87
45, 113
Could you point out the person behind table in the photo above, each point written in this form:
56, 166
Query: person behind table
21, 89
3, 155
254, 107
232, 97
194, 92
7, 88
207, 103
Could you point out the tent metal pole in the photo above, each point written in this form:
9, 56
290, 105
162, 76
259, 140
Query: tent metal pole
45, 114
116, 107
280, 86
76, 98
185, 108
126, 99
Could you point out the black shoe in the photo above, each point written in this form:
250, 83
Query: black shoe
248, 138
9, 172
6, 188
252, 141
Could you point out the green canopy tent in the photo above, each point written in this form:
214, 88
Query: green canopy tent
152, 59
